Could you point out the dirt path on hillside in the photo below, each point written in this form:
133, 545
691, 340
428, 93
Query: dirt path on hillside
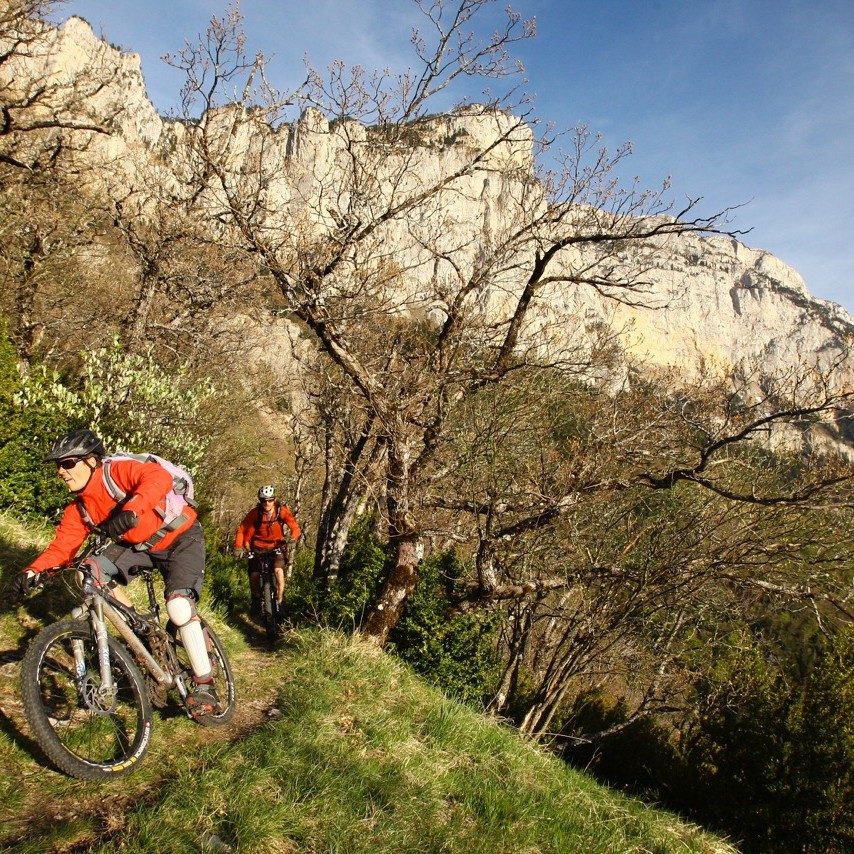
45, 800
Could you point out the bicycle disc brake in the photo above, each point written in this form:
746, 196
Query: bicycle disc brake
99, 700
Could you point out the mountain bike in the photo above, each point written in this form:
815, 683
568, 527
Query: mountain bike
270, 609
88, 703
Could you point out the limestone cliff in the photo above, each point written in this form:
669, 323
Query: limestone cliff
710, 301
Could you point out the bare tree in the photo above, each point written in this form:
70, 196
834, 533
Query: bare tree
48, 117
186, 285
370, 236
48, 114
616, 530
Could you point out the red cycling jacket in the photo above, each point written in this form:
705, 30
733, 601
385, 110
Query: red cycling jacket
146, 485
261, 531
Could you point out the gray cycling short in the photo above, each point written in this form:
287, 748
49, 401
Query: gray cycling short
182, 565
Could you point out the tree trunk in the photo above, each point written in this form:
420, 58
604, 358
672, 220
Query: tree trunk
388, 608
330, 549
135, 323
27, 331
519, 628
339, 503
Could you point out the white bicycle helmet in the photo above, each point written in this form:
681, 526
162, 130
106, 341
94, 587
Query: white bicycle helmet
266, 492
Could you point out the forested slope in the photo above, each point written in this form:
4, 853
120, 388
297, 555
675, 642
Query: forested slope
335, 746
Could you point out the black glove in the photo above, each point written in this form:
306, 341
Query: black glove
21, 585
120, 524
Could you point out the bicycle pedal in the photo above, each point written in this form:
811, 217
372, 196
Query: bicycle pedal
203, 701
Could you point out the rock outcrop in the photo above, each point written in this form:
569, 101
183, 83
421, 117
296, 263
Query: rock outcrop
710, 301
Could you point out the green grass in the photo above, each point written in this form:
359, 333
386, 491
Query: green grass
364, 757
336, 747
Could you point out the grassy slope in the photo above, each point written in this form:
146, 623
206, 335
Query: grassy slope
337, 748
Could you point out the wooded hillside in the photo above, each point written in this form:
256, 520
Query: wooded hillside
390, 315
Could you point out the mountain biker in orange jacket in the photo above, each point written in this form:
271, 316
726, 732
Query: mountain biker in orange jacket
179, 554
263, 531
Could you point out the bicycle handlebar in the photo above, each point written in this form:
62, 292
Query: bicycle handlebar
277, 551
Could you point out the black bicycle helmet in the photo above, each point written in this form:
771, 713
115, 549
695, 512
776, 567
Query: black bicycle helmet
79, 443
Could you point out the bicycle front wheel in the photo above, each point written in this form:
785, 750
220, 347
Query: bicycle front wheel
270, 610
88, 730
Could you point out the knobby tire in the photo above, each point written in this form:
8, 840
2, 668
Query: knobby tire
222, 676
85, 736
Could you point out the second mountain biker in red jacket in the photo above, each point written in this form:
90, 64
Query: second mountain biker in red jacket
263, 530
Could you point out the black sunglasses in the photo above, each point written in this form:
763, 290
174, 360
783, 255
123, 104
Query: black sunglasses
67, 464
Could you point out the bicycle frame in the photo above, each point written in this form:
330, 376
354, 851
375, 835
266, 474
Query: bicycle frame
100, 611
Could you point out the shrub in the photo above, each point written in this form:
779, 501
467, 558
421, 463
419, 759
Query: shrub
456, 652
773, 763
303, 598
638, 756
28, 487
816, 784
226, 582
364, 565
129, 400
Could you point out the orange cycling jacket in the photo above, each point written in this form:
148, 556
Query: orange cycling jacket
145, 484
261, 532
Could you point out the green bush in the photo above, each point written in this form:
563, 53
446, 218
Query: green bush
816, 771
364, 565
772, 763
737, 745
303, 597
130, 400
638, 756
455, 651
28, 487
226, 581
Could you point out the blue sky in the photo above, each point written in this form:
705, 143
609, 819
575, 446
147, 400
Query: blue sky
742, 102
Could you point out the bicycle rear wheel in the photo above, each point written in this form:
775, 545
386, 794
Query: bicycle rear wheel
86, 731
223, 678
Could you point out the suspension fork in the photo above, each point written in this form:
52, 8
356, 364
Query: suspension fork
99, 630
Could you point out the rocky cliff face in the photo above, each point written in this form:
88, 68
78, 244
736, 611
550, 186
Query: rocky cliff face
711, 303
724, 303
